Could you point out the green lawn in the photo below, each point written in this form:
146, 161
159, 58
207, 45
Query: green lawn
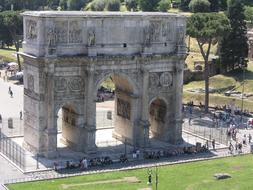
8, 54
223, 81
190, 176
216, 82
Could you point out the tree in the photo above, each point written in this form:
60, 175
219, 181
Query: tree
199, 6
164, 5
148, 5
184, 5
214, 5
98, 5
247, 2
131, 5
206, 28
5, 37
63, 4
14, 24
113, 5
249, 13
76, 4
223, 5
234, 46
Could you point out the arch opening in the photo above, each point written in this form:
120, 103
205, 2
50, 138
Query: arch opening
67, 119
157, 118
114, 111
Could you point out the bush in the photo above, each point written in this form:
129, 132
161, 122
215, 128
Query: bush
148, 5
249, 13
199, 6
97, 5
113, 5
131, 5
164, 5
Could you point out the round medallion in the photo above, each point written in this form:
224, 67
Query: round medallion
166, 79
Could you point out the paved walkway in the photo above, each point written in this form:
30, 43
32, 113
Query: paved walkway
8, 171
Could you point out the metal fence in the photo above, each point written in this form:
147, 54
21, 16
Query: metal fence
219, 133
12, 150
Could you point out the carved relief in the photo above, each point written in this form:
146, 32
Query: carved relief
181, 34
72, 84
75, 32
91, 37
147, 36
155, 30
75, 84
160, 80
123, 108
61, 31
60, 84
31, 30
166, 30
165, 79
51, 37
152, 32
30, 82
158, 111
153, 79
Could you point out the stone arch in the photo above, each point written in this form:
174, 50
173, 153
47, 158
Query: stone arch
125, 104
71, 122
131, 83
73, 105
158, 109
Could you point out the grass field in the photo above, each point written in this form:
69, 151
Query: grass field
223, 81
190, 176
8, 54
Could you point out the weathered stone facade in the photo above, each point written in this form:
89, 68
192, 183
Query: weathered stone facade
68, 54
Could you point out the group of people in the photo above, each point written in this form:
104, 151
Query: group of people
175, 152
84, 163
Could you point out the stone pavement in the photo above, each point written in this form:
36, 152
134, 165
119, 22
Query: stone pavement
8, 171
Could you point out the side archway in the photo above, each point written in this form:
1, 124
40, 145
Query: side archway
157, 118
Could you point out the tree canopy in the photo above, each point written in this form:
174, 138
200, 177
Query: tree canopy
148, 5
234, 46
207, 28
199, 6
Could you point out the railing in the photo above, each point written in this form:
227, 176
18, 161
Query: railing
12, 150
219, 133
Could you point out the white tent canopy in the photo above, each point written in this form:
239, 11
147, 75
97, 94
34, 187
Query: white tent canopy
12, 64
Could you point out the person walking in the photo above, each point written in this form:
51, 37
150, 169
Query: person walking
250, 138
213, 144
20, 115
231, 148
11, 93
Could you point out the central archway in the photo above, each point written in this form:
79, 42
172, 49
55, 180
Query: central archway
120, 109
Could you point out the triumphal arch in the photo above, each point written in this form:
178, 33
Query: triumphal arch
68, 54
